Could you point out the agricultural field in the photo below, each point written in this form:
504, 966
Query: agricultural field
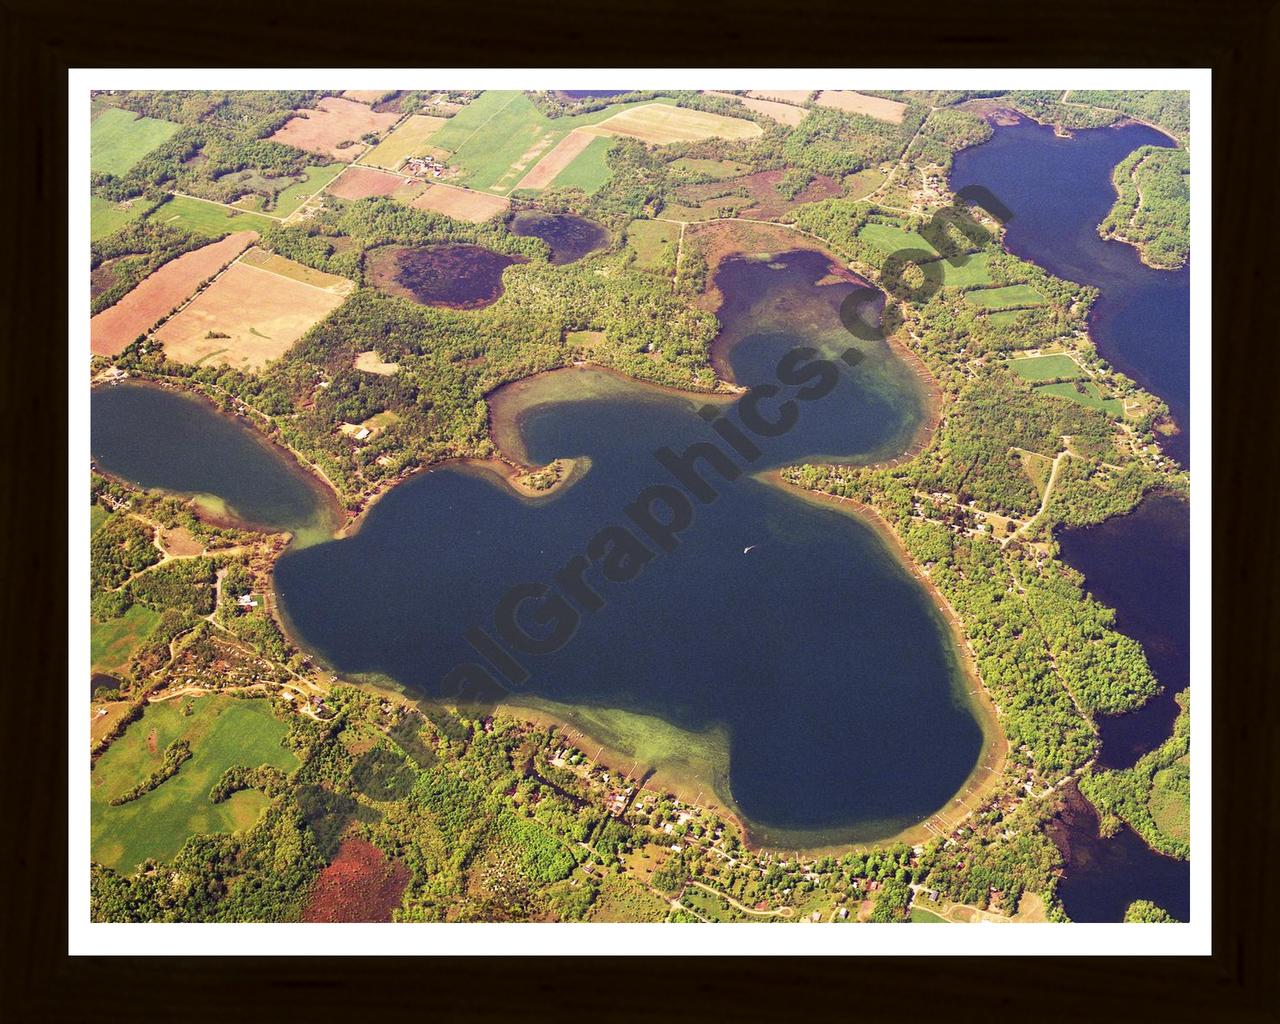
461, 203
589, 170
208, 218
500, 136
653, 241
784, 113
253, 312
1010, 296
222, 731
1084, 393
369, 96
106, 217
118, 139
362, 182
566, 151
408, 139
1004, 317
334, 128
659, 124
370, 362
862, 183
1052, 367
116, 327
797, 96
112, 643
856, 103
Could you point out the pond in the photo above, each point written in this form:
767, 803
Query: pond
775, 650
569, 237
454, 276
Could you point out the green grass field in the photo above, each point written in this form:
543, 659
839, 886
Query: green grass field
498, 137
207, 218
863, 182
1003, 298
889, 238
1002, 317
921, 916
118, 139
1091, 397
717, 170
1170, 806
651, 240
97, 516
973, 271
1035, 368
589, 169
222, 731
106, 217
111, 644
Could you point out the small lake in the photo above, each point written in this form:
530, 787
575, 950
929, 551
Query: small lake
165, 439
1140, 565
1103, 876
454, 276
570, 237
1060, 190
812, 681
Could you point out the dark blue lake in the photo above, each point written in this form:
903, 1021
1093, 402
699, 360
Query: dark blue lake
1059, 190
1140, 565
780, 654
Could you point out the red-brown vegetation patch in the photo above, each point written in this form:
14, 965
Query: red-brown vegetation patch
762, 201
360, 885
334, 121
112, 330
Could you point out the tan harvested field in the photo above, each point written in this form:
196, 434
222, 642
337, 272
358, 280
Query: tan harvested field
409, 139
334, 121
660, 124
800, 96
460, 203
254, 312
112, 330
362, 182
783, 113
364, 95
370, 363
857, 103
545, 170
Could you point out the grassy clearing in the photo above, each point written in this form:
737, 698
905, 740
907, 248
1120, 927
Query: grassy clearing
1084, 393
1004, 317
921, 916
972, 272
97, 516
717, 170
864, 182
118, 139
1038, 469
222, 731
589, 169
1006, 297
891, 238
106, 217
111, 644
1170, 804
208, 218
651, 241
1037, 368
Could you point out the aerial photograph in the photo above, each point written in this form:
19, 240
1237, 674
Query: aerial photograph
759, 506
